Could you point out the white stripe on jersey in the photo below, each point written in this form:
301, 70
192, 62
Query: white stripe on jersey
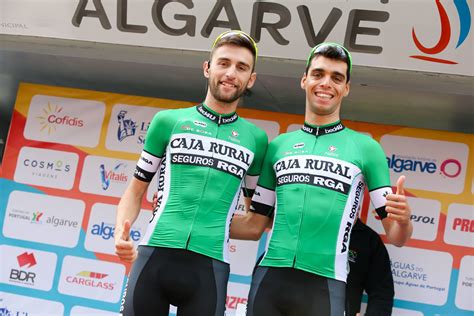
378, 196
289, 165
353, 203
148, 162
264, 196
250, 182
193, 144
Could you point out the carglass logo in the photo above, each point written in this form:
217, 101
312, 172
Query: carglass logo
464, 16
53, 116
450, 168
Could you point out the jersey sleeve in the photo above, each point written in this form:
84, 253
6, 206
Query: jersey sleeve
156, 141
263, 201
377, 175
251, 178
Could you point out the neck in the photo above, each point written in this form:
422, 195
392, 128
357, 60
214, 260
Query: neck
318, 119
220, 107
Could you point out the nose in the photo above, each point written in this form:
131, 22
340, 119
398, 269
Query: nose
231, 71
325, 81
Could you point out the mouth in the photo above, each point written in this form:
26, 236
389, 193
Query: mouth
229, 85
324, 95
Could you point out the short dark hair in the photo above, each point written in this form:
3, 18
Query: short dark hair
236, 38
332, 51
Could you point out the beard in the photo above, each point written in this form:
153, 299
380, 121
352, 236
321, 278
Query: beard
219, 96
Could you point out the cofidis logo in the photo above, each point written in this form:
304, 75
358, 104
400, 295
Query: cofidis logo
464, 16
68, 121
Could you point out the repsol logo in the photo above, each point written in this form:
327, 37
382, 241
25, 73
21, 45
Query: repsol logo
450, 168
422, 219
271, 16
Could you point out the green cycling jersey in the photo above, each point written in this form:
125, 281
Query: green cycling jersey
202, 159
312, 183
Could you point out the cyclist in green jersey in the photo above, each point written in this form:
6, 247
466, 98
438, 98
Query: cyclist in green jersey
203, 156
312, 185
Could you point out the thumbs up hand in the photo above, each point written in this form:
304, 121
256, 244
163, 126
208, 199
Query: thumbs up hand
124, 247
397, 207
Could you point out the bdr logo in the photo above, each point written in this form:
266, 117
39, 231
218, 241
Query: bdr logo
106, 231
26, 260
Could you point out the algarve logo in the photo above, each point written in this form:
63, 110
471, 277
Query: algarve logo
464, 16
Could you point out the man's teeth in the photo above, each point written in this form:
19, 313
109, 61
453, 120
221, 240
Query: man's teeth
324, 95
228, 84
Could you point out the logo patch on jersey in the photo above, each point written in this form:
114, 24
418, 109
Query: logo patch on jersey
329, 173
185, 127
197, 150
201, 124
298, 145
332, 148
234, 133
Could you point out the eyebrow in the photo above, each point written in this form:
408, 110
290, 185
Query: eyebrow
324, 70
239, 62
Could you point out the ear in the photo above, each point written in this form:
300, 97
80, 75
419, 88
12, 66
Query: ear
348, 88
303, 82
251, 82
205, 68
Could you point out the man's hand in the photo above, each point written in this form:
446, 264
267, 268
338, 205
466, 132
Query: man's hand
124, 247
397, 206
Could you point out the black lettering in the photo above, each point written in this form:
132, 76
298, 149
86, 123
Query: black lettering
259, 9
325, 29
354, 28
212, 21
190, 21
81, 12
122, 24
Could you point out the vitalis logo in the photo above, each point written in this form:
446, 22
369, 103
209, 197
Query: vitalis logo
53, 117
114, 175
25, 261
91, 279
128, 127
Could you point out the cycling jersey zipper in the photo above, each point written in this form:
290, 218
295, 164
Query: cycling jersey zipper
304, 199
205, 186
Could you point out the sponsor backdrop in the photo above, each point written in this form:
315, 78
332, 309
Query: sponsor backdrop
70, 154
430, 35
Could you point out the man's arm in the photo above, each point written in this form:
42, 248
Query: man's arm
249, 226
127, 212
397, 224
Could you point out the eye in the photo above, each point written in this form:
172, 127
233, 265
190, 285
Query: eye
339, 79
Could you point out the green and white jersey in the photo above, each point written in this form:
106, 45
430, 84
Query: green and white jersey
203, 160
312, 183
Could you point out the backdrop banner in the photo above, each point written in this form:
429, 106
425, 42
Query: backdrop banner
70, 154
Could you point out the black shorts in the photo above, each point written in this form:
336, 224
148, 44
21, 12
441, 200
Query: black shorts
293, 292
194, 283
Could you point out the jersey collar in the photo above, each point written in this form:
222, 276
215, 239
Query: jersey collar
323, 129
219, 119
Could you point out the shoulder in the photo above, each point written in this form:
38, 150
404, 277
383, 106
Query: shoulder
259, 134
